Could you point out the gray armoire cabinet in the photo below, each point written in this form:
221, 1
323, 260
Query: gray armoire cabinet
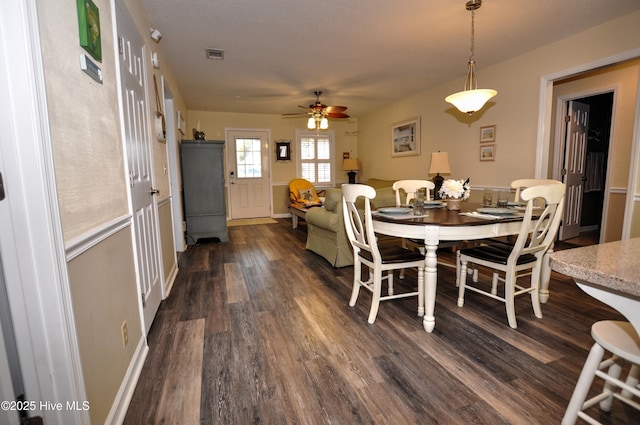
205, 212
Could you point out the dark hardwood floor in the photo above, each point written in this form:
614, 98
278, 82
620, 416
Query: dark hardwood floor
258, 330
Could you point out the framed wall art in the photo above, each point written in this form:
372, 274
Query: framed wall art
89, 28
283, 150
488, 134
488, 152
405, 137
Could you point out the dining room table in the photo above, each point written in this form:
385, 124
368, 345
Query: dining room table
438, 224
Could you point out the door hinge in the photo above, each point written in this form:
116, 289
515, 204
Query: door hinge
567, 118
121, 45
144, 301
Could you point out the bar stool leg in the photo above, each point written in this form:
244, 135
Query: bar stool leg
614, 371
584, 383
633, 379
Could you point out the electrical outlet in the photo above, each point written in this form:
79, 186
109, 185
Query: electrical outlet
125, 334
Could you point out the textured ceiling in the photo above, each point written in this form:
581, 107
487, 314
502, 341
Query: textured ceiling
362, 53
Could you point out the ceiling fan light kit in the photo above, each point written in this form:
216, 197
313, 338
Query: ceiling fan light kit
471, 99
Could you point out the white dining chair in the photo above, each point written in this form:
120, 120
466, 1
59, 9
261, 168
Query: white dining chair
520, 184
410, 187
378, 259
526, 254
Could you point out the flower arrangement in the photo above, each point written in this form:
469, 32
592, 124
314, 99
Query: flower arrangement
455, 189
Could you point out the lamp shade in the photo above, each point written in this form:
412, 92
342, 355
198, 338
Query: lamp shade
350, 164
439, 163
470, 101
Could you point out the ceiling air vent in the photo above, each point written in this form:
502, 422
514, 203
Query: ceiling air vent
217, 54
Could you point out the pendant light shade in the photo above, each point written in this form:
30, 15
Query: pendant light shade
471, 99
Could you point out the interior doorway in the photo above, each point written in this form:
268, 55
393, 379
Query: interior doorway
594, 166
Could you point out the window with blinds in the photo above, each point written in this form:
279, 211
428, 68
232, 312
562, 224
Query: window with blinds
316, 157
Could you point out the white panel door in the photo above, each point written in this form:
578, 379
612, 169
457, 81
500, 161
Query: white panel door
139, 161
574, 162
248, 168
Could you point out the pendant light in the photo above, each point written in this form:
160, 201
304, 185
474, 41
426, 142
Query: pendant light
471, 99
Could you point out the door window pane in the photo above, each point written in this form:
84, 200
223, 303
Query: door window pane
248, 158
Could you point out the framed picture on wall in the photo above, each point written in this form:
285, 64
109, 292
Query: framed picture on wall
488, 134
488, 152
405, 137
283, 150
89, 28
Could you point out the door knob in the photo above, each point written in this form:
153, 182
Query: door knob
154, 191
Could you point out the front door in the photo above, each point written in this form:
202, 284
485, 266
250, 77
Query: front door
139, 160
248, 168
577, 128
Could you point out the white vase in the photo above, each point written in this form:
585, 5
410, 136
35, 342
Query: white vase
453, 204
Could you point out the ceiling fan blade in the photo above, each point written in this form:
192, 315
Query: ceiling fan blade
336, 115
336, 108
296, 114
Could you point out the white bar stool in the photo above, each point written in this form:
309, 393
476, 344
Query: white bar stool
623, 342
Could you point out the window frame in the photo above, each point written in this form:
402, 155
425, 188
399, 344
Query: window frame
328, 134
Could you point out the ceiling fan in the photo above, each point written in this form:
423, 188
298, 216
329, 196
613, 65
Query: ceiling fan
319, 113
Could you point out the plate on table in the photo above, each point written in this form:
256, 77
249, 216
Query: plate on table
394, 210
495, 211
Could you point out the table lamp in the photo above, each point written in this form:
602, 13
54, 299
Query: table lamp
439, 164
351, 164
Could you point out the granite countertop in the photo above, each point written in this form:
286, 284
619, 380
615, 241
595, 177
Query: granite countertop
612, 265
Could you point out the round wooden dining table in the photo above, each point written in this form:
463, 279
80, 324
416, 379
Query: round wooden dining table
440, 224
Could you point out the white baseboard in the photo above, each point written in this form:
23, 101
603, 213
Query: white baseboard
170, 280
123, 398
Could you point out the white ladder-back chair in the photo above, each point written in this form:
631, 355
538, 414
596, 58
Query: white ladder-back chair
527, 253
410, 187
378, 259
